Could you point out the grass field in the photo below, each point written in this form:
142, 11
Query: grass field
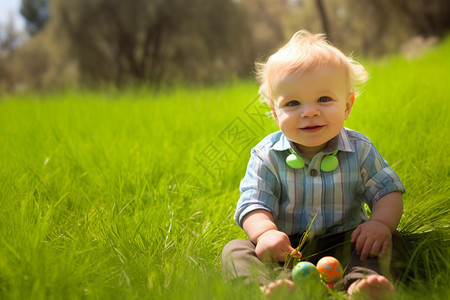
130, 194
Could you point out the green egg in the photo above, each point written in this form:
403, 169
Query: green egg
305, 271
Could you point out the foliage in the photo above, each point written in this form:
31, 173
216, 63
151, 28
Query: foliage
90, 42
113, 40
36, 14
114, 194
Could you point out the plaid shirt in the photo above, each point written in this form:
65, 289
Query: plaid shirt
295, 196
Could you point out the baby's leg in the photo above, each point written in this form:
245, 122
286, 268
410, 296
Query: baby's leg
373, 287
239, 261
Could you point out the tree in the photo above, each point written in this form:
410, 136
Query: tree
116, 40
9, 38
427, 17
36, 14
323, 18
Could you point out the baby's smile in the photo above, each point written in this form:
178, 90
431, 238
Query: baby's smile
312, 128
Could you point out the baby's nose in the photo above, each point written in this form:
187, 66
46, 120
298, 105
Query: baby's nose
310, 110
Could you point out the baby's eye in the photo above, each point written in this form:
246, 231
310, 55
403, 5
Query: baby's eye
324, 99
293, 103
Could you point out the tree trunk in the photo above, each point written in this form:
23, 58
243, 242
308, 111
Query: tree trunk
323, 18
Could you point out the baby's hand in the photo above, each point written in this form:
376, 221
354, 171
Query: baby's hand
372, 238
273, 245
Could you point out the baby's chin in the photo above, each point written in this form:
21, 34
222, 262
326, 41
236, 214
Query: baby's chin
310, 146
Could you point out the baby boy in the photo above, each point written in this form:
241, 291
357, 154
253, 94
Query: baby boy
315, 168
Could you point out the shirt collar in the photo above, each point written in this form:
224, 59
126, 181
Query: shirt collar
340, 142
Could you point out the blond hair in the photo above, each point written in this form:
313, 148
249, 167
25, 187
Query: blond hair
305, 52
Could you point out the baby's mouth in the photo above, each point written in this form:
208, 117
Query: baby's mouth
311, 129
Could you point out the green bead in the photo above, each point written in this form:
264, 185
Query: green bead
295, 161
329, 163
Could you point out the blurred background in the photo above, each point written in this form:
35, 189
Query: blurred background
53, 44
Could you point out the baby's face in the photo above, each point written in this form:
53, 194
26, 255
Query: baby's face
310, 109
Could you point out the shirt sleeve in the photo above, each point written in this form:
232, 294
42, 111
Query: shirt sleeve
379, 179
259, 189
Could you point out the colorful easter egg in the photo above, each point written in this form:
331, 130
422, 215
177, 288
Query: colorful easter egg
330, 285
330, 269
305, 271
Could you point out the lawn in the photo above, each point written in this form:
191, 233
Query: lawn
130, 194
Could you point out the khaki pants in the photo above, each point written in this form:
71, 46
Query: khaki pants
239, 260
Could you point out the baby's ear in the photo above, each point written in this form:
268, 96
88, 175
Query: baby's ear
349, 104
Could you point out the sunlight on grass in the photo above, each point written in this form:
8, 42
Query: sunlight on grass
130, 194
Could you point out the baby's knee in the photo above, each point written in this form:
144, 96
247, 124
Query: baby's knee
233, 247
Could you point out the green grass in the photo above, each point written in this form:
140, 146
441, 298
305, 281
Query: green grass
103, 194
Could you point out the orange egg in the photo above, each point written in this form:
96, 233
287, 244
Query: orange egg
330, 269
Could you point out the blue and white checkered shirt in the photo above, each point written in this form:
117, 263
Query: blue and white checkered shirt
295, 196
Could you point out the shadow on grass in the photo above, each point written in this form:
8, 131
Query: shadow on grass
426, 261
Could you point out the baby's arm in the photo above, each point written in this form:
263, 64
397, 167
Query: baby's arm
374, 237
271, 244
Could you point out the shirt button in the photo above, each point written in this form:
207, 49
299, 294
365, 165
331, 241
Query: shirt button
313, 173
313, 212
